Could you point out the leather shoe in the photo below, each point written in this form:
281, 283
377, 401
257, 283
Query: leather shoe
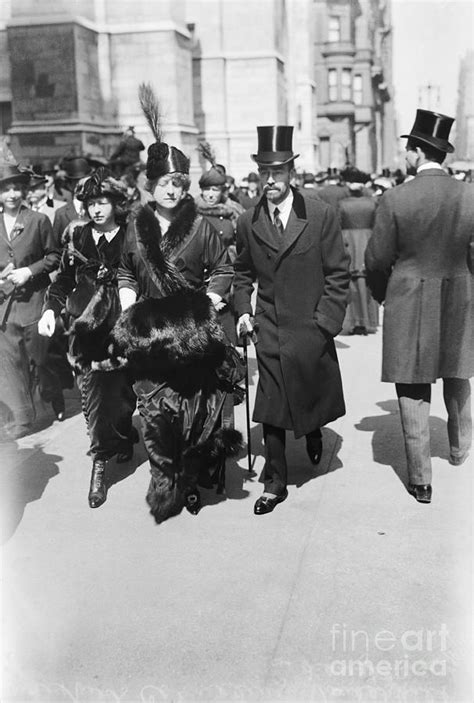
193, 502
265, 504
59, 408
98, 488
421, 493
314, 449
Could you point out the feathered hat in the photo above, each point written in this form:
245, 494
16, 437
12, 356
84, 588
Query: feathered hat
214, 176
162, 159
101, 183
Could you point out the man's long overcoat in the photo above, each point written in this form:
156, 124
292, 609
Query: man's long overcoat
423, 234
303, 280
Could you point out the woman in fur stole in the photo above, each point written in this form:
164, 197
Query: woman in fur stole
177, 268
86, 286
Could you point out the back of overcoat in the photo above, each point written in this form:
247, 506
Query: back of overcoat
424, 233
303, 281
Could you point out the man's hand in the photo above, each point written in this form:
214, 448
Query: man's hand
20, 276
47, 324
244, 326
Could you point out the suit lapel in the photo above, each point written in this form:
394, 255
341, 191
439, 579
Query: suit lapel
3, 231
293, 230
264, 231
21, 224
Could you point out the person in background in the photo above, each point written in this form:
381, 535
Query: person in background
254, 191
419, 260
86, 287
357, 215
38, 197
293, 248
76, 170
28, 253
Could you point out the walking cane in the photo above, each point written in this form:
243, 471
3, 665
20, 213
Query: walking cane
247, 400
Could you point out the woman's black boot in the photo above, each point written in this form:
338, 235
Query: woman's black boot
98, 488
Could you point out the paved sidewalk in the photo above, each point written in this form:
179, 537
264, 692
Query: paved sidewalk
348, 591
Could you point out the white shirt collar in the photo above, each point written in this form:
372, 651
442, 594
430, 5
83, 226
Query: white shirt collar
284, 208
429, 165
108, 235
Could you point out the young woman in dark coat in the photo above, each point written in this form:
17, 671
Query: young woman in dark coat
86, 287
175, 275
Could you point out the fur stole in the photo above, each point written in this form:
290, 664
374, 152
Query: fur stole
166, 277
176, 340
228, 209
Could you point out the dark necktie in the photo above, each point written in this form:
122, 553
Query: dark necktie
277, 221
102, 243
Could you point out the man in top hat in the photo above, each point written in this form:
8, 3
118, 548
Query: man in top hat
254, 191
421, 243
28, 253
293, 247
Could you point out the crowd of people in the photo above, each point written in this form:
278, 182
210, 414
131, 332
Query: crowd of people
113, 277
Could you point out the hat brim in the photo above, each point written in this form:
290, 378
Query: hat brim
22, 178
440, 144
268, 161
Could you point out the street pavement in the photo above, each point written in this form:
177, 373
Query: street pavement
349, 591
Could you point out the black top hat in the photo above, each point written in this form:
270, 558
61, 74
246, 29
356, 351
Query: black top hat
274, 145
10, 173
76, 167
432, 128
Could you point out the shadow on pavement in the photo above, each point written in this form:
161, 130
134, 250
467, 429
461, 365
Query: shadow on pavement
23, 479
387, 442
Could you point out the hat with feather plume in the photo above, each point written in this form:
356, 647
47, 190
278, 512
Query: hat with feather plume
214, 176
162, 159
10, 170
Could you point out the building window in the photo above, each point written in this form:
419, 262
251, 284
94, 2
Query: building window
346, 84
357, 87
334, 31
332, 84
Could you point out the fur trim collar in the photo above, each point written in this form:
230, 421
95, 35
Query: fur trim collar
185, 214
164, 274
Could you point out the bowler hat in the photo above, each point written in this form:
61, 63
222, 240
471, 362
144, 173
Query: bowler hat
10, 173
274, 145
76, 167
432, 128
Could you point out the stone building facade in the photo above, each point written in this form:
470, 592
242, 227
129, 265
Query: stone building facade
70, 69
465, 110
353, 68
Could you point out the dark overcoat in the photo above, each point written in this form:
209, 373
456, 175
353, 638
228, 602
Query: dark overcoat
303, 281
33, 245
423, 233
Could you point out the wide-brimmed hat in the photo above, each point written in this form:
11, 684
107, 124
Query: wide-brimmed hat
11, 173
432, 128
76, 167
102, 183
274, 145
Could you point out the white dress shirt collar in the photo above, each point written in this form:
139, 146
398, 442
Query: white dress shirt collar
284, 208
429, 165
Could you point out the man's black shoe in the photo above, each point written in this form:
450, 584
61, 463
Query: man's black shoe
421, 493
265, 504
314, 448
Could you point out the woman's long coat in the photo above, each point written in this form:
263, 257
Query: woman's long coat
303, 280
422, 237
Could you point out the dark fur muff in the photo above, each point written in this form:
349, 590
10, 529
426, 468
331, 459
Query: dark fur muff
176, 339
